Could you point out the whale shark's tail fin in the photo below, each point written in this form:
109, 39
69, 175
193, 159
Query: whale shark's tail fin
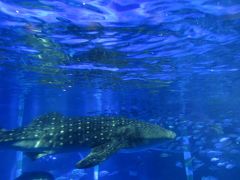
3, 134
2, 131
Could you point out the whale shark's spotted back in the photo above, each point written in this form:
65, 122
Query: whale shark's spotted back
53, 133
56, 131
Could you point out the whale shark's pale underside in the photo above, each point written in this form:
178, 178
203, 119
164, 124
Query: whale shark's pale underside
55, 133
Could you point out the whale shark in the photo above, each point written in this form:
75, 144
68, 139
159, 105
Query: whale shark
54, 133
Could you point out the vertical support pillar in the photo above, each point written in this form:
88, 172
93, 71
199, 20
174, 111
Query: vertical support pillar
187, 158
186, 144
96, 172
99, 100
19, 155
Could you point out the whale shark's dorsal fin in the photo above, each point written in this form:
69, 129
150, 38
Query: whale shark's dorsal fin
47, 119
99, 154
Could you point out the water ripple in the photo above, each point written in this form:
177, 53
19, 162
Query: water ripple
122, 34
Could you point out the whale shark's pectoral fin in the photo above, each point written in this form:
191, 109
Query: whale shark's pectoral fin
36, 155
98, 154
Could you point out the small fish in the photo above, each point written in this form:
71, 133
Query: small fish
164, 155
53, 133
217, 129
223, 139
103, 173
220, 164
229, 166
214, 153
179, 164
214, 159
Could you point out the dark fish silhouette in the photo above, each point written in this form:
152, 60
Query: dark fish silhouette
54, 133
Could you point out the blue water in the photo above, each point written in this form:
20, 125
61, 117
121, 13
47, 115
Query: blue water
171, 62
